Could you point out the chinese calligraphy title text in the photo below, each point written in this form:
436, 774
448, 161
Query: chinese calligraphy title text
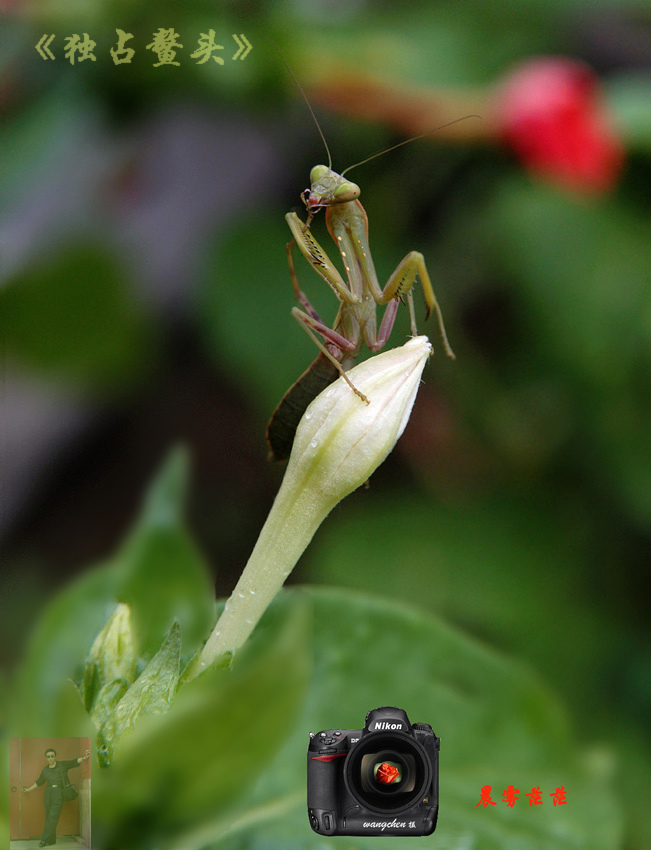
165, 45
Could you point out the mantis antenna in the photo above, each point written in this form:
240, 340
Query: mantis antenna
375, 155
407, 141
302, 90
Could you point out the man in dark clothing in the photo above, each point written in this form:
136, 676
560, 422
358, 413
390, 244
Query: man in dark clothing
55, 777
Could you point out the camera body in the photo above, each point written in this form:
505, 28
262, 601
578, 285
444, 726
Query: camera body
379, 780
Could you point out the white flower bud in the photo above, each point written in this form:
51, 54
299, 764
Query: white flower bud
339, 443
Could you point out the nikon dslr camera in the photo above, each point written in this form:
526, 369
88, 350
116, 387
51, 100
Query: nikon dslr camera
379, 780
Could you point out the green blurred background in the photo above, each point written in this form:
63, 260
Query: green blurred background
147, 302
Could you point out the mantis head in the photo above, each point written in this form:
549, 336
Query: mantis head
328, 188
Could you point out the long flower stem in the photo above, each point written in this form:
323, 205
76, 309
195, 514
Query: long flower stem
290, 526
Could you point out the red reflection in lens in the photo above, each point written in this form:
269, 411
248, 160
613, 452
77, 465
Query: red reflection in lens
387, 773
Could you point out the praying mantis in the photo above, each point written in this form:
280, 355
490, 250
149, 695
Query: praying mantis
359, 295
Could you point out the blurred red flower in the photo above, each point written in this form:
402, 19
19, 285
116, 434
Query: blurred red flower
549, 111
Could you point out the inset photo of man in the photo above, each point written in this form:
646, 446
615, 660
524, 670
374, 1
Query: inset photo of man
50, 792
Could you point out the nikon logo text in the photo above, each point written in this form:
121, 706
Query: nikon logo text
383, 724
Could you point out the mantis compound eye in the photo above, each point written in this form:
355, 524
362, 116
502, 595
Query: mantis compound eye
347, 191
317, 173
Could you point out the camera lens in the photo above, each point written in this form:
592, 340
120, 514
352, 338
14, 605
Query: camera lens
387, 772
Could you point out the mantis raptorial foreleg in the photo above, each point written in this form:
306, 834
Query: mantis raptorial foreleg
316, 257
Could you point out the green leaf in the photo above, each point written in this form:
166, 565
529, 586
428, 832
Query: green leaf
195, 762
498, 724
164, 577
57, 649
152, 693
106, 700
500, 582
158, 573
68, 714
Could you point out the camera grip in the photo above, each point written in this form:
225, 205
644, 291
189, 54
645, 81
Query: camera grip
322, 781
